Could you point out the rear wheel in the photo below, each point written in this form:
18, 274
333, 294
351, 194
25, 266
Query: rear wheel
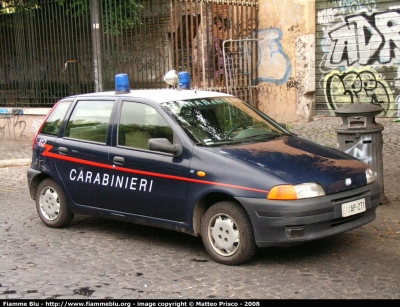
227, 233
51, 205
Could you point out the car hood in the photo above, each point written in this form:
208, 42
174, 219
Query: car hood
297, 160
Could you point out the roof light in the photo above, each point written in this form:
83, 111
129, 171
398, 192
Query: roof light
121, 84
171, 78
184, 80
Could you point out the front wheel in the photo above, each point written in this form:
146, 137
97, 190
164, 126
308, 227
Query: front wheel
227, 233
51, 205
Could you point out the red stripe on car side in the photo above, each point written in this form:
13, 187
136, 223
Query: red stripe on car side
47, 153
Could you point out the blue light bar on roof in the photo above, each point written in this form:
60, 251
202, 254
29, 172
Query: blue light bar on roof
184, 80
121, 84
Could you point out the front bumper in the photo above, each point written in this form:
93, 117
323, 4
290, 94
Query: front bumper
284, 223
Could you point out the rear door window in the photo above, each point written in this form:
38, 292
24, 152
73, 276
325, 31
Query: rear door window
89, 121
139, 123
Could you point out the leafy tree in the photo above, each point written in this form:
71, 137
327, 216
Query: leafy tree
117, 15
15, 6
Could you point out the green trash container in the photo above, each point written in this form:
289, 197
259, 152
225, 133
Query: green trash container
361, 136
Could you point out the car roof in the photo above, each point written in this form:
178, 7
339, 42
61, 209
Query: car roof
159, 95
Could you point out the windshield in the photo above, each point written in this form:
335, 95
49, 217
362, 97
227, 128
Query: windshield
222, 120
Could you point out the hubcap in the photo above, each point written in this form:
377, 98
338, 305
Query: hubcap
223, 234
49, 203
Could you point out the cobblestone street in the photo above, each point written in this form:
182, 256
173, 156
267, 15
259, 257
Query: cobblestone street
102, 259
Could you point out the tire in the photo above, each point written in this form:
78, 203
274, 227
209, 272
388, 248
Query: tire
227, 233
51, 205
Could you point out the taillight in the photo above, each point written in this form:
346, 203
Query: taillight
34, 139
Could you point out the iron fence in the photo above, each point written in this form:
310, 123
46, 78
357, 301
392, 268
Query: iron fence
52, 49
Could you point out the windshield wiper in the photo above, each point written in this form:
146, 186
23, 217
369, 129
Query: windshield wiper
260, 137
224, 142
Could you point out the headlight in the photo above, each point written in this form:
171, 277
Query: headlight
370, 175
292, 192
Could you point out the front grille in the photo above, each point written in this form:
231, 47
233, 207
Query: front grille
365, 194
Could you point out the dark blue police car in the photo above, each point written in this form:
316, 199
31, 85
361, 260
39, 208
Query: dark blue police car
199, 162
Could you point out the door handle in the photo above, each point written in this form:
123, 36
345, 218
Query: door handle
62, 150
119, 160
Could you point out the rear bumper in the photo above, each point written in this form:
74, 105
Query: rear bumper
283, 223
32, 184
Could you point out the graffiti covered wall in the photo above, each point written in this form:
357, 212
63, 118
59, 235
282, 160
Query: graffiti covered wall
286, 71
20, 124
357, 55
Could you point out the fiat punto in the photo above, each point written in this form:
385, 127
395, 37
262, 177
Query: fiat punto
200, 162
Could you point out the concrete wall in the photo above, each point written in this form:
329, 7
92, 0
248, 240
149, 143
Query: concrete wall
286, 71
20, 124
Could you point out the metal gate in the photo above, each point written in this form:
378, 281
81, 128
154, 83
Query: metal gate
239, 66
51, 49
205, 31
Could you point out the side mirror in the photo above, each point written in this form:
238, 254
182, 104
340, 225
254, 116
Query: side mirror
163, 145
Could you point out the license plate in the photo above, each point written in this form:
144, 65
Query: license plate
353, 207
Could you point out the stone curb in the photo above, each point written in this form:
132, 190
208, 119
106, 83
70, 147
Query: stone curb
15, 162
